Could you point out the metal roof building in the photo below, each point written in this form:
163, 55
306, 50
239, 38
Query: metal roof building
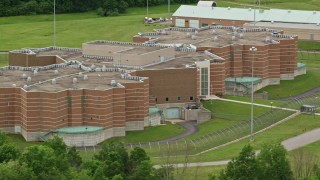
276, 15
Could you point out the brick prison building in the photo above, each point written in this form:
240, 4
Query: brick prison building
107, 88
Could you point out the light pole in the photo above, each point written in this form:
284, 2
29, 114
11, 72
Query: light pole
271, 104
54, 24
147, 8
254, 12
168, 8
253, 50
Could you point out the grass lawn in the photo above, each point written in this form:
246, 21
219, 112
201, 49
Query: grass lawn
309, 45
310, 59
301, 84
231, 110
20, 142
3, 59
258, 101
74, 29
212, 126
288, 129
150, 134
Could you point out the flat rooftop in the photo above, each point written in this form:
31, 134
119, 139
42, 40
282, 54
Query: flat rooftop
61, 53
64, 79
181, 61
213, 37
127, 48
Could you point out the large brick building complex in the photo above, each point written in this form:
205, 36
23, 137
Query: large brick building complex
106, 88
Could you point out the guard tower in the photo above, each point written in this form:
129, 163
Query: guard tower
308, 109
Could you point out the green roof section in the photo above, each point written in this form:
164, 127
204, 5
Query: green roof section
243, 80
79, 130
301, 65
154, 110
276, 15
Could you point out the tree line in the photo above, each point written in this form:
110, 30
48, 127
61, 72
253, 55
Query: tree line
103, 7
53, 160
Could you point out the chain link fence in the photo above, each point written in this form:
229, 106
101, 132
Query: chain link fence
211, 140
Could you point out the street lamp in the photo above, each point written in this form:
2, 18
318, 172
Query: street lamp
54, 24
168, 8
271, 104
253, 50
147, 8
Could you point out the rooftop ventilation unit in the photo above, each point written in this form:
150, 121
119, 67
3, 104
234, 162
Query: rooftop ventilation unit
193, 37
289, 11
188, 35
35, 72
56, 72
104, 69
14, 85
268, 39
85, 77
113, 83
24, 76
249, 9
26, 87
196, 32
74, 80
93, 67
241, 35
229, 8
314, 12
272, 22
233, 38
318, 24
53, 81
187, 65
29, 79
80, 74
215, 39
214, 32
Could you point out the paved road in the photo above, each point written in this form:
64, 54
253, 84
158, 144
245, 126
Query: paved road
290, 144
302, 140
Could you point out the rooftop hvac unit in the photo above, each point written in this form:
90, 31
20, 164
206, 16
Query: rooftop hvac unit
187, 65
214, 32
74, 80
215, 39
318, 24
85, 77
26, 87
35, 72
314, 12
272, 22
29, 79
196, 32
113, 83
93, 67
233, 38
188, 35
241, 35
104, 68
53, 81
80, 74
24, 76
268, 39
14, 85
193, 37
56, 72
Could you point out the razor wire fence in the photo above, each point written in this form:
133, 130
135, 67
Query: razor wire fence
215, 139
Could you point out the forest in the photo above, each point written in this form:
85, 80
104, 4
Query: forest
103, 7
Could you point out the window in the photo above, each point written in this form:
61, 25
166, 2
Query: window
167, 99
179, 98
156, 99
191, 98
204, 81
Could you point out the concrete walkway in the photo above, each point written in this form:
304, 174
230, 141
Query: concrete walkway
290, 144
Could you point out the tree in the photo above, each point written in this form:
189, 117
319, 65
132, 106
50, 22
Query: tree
304, 165
15, 171
3, 138
57, 145
8, 152
273, 163
243, 167
74, 158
